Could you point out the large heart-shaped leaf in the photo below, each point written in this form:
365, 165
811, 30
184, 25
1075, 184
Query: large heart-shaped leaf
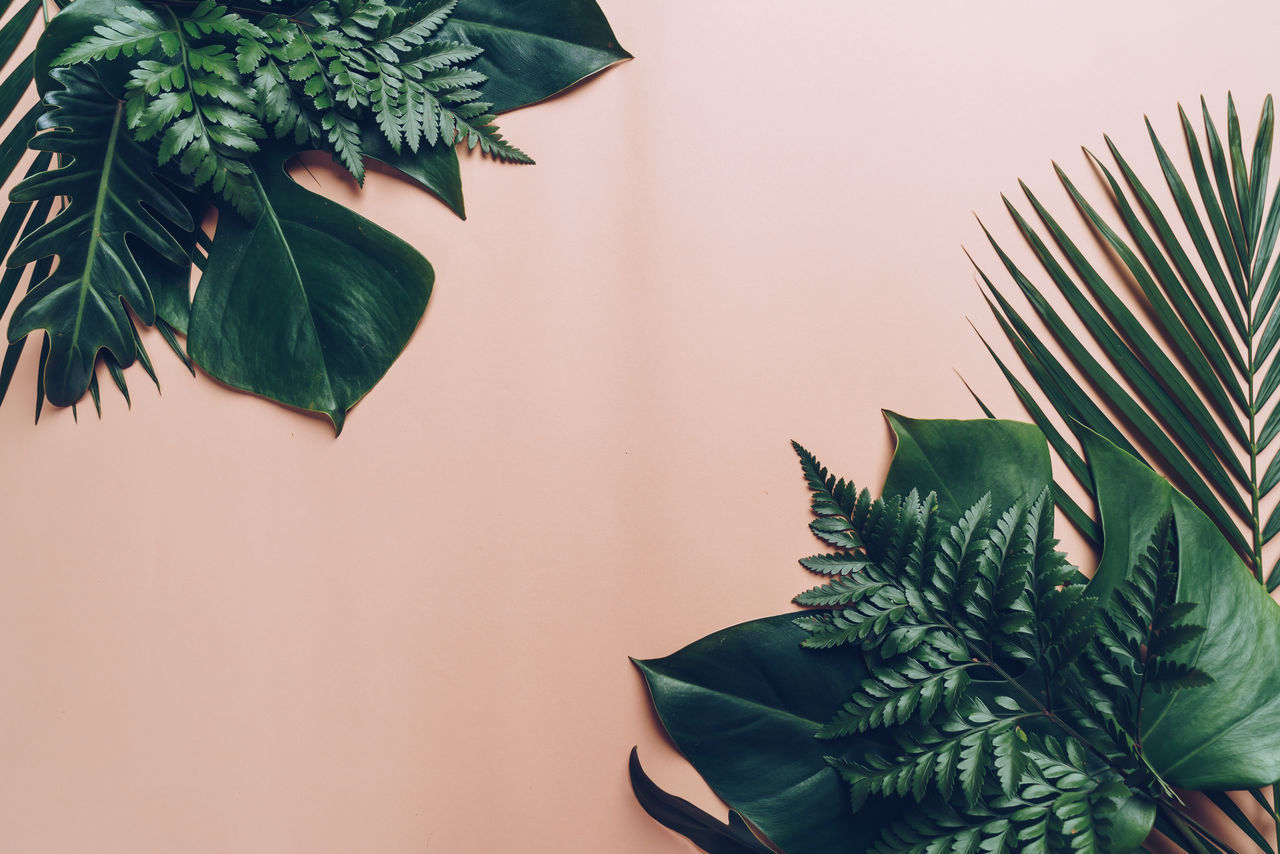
963, 460
744, 705
1222, 737
310, 303
114, 194
532, 50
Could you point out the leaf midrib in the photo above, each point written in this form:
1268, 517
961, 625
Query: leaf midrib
752, 703
269, 213
95, 229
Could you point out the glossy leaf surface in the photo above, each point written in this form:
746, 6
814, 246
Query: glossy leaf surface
434, 168
1191, 367
964, 460
700, 827
319, 318
1222, 737
743, 705
115, 195
310, 303
534, 50
737, 703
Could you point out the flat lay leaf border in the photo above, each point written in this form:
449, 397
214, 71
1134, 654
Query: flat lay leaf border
741, 758
1177, 363
313, 335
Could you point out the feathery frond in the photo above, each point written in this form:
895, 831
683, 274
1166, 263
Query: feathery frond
1191, 372
993, 670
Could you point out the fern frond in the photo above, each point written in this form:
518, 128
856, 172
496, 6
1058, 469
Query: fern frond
871, 617
135, 32
900, 692
835, 564
831, 496
980, 640
842, 591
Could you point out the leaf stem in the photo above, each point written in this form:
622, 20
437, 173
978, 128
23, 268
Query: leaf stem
1254, 497
1195, 832
1275, 813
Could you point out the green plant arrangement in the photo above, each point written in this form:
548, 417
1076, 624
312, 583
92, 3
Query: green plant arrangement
956, 686
1175, 376
1185, 378
156, 112
1184, 375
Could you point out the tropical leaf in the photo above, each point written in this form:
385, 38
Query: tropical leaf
434, 168
1149, 676
309, 303
115, 197
202, 85
534, 50
1218, 739
1190, 371
743, 705
705, 831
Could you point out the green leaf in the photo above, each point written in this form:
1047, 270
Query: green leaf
433, 167
964, 460
534, 50
743, 705
1192, 402
1221, 738
712, 836
310, 303
114, 194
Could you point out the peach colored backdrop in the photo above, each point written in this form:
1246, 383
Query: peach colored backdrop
224, 632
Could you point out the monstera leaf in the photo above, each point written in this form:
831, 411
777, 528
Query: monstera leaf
301, 300
1211, 739
744, 706
114, 195
1219, 739
1191, 368
1197, 712
310, 303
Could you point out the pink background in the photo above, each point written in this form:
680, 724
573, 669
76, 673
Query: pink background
221, 630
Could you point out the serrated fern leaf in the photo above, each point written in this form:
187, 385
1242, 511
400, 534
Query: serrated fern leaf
981, 640
320, 73
899, 692
135, 31
835, 564
842, 591
114, 194
1163, 675
185, 91
831, 496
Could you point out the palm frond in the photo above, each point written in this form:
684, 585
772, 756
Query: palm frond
1174, 355
1180, 352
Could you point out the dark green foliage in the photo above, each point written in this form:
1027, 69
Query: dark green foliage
206, 81
709, 834
998, 762
115, 199
1190, 368
994, 673
209, 102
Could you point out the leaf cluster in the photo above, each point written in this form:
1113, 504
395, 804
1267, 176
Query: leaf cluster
1007, 698
208, 83
203, 102
1190, 371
